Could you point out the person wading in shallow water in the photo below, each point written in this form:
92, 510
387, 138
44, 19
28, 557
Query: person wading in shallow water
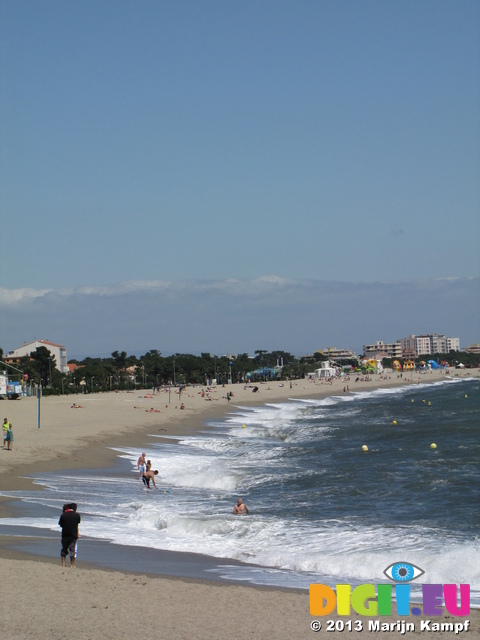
240, 508
149, 475
142, 464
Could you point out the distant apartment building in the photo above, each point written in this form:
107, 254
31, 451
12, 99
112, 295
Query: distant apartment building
453, 344
474, 348
337, 354
428, 344
57, 350
408, 347
424, 345
382, 350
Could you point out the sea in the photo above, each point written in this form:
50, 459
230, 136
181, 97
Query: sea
322, 508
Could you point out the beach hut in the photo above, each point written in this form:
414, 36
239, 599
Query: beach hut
326, 371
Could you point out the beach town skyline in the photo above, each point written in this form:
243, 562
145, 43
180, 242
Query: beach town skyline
407, 348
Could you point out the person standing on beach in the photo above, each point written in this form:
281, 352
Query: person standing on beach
69, 521
5, 426
240, 508
9, 437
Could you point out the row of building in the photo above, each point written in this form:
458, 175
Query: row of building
412, 347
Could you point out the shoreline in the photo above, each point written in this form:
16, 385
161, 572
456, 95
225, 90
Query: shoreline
85, 438
54, 446
94, 444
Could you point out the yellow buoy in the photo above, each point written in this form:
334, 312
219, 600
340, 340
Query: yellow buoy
466, 396
364, 447
394, 422
413, 400
433, 446
243, 426
423, 401
429, 403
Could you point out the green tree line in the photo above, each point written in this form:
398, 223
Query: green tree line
121, 371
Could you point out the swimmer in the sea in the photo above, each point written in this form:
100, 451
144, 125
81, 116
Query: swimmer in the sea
240, 508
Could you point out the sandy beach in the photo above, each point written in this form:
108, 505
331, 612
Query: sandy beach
42, 600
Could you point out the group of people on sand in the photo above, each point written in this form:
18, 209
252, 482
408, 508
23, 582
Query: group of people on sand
7, 435
152, 410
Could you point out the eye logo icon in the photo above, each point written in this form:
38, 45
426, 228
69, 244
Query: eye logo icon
403, 571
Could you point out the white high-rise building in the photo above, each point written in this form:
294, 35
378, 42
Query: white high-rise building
428, 344
453, 344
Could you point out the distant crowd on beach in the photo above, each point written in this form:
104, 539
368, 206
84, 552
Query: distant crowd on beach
211, 393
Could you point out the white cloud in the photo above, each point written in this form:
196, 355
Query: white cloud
235, 315
12, 297
232, 286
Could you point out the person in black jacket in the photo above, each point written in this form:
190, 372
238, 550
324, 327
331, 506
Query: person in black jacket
69, 521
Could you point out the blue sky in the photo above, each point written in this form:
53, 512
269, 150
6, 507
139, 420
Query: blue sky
207, 142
